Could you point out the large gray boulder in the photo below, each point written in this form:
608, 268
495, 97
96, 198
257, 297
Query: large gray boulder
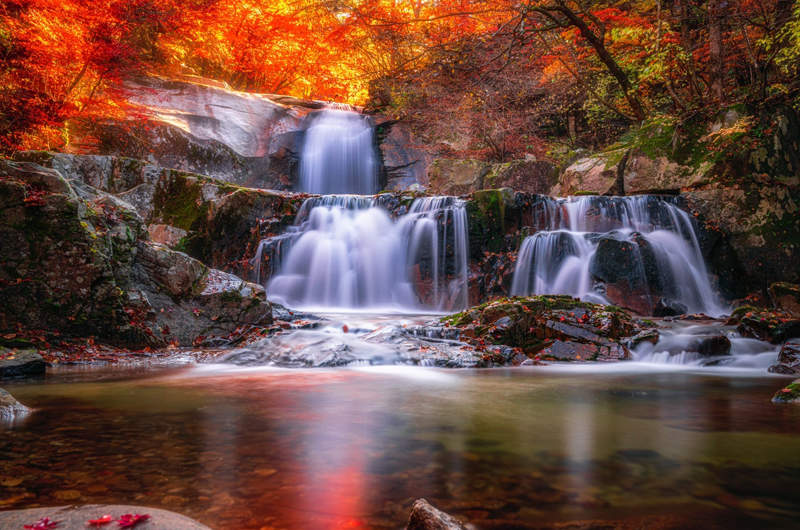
456, 177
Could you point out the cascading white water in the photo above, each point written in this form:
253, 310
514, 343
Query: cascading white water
346, 253
338, 155
657, 241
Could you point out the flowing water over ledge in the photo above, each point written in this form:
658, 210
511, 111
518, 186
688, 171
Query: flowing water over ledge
625, 446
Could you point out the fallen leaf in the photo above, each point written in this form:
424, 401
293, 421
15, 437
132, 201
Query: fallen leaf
42, 524
129, 521
103, 520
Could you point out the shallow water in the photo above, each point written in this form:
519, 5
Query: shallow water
623, 446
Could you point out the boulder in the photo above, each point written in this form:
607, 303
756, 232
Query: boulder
788, 394
426, 517
10, 408
21, 363
620, 265
786, 297
644, 175
669, 308
405, 159
249, 139
601, 174
530, 176
456, 177
762, 226
788, 360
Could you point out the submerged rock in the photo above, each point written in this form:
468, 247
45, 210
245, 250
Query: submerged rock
789, 394
426, 517
10, 408
21, 363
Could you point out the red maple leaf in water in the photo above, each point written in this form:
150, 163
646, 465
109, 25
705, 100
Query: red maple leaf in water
42, 524
129, 521
103, 520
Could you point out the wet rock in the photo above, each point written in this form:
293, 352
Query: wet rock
786, 297
669, 308
75, 517
10, 407
788, 394
456, 177
647, 335
788, 360
775, 327
710, 346
619, 263
535, 323
21, 363
426, 517
601, 174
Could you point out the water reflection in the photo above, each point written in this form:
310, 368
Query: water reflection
354, 448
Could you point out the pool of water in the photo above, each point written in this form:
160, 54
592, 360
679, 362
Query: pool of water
625, 446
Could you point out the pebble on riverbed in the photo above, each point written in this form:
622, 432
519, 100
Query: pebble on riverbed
426, 517
790, 394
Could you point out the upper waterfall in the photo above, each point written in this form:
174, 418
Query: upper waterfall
338, 155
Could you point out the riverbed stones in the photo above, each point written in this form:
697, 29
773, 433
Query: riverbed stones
75, 517
426, 517
21, 363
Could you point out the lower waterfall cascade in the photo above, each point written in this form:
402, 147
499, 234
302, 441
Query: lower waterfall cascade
652, 243
345, 252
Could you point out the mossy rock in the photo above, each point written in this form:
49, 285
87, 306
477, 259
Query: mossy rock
788, 394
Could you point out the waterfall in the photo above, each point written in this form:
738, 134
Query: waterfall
338, 155
641, 247
346, 253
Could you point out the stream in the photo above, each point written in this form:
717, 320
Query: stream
637, 444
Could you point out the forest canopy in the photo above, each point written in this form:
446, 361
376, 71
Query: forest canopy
512, 75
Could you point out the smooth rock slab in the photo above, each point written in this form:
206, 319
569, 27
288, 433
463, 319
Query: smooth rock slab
76, 517
22, 363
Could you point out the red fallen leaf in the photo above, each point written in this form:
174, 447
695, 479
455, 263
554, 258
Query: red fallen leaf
129, 521
103, 520
345, 328
42, 524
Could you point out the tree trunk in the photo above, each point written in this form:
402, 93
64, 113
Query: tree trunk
716, 49
604, 55
688, 45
